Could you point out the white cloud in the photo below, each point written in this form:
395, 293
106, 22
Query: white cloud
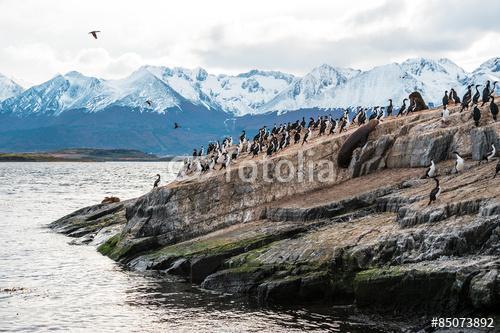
49, 37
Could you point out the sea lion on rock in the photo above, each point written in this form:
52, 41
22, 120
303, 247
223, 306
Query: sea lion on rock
417, 102
356, 140
108, 200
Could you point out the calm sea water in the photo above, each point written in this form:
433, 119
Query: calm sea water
48, 285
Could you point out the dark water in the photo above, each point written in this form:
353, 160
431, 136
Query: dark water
48, 285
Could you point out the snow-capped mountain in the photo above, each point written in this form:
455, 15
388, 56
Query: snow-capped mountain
254, 92
8, 88
316, 89
239, 95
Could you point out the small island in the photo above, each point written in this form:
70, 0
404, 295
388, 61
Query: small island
82, 155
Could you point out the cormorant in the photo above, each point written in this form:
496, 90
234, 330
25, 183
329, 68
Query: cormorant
389, 108
306, 135
149, 103
476, 115
402, 108
454, 96
296, 137
493, 89
466, 98
493, 108
176, 126
94, 33
436, 191
195, 153
157, 181
374, 113
431, 170
445, 98
491, 155
445, 114
476, 96
459, 163
242, 136
486, 93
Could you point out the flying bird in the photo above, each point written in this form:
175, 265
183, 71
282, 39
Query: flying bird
176, 126
149, 103
94, 33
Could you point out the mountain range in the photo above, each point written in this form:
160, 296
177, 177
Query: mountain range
74, 110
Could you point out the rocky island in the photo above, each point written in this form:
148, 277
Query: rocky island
364, 236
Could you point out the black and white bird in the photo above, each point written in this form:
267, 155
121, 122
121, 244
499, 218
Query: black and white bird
466, 99
402, 109
445, 98
476, 115
486, 93
436, 191
157, 181
493, 108
445, 114
431, 170
374, 113
306, 135
491, 154
476, 96
454, 96
390, 107
459, 163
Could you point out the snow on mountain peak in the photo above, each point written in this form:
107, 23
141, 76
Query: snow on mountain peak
8, 88
252, 92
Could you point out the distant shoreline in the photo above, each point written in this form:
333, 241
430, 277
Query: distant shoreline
84, 155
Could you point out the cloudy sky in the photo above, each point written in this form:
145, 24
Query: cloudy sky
39, 39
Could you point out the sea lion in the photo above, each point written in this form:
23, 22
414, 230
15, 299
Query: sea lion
417, 102
356, 140
108, 200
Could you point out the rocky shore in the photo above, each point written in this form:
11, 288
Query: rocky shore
366, 236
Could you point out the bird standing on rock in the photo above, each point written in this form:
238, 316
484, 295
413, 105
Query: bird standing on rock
402, 108
431, 170
445, 115
476, 96
466, 98
476, 115
157, 181
436, 191
493, 108
491, 155
454, 96
389, 108
459, 163
445, 98
486, 93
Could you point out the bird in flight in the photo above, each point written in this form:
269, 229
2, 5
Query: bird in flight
94, 33
149, 103
176, 125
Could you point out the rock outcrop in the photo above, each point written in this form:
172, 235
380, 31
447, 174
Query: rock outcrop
362, 235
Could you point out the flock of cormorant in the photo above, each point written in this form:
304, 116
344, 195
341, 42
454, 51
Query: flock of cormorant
270, 141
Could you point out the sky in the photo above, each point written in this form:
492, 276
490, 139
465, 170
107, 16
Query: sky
39, 39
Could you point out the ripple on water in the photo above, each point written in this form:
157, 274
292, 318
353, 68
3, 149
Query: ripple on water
56, 286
